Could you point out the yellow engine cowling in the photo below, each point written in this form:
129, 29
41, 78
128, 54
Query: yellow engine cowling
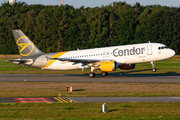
127, 67
109, 66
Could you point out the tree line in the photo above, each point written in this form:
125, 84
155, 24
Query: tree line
63, 28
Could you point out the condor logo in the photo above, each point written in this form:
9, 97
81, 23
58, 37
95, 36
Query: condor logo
25, 46
127, 52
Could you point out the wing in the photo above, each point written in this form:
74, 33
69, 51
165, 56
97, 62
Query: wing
80, 60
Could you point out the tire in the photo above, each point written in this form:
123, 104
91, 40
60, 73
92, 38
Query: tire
104, 74
154, 69
92, 75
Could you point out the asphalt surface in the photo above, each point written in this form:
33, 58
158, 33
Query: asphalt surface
90, 99
85, 78
126, 99
36, 100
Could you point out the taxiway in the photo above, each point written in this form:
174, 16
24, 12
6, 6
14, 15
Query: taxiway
85, 78
90, 99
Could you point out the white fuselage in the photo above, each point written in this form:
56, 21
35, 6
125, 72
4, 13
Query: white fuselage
125, 54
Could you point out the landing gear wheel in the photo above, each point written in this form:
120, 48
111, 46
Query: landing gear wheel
104, 74
154, 69
92, 75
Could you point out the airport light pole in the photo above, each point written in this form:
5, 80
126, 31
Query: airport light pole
62, 2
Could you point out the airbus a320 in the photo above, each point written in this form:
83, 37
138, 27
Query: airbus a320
107, 59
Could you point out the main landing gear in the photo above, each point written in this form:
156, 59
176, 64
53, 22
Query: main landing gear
104, 74
92, 74
154, 69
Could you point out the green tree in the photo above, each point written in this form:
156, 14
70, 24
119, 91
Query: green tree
98, 22
125, 24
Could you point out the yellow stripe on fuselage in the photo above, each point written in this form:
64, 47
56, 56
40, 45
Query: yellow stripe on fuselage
55, 56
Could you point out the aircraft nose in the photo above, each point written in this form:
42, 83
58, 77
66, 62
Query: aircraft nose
172, 53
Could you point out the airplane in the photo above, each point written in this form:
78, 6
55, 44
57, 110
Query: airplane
106, 59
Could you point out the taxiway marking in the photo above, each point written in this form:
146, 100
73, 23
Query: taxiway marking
63, 99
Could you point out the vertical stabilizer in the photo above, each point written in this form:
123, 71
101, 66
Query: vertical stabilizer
25, 45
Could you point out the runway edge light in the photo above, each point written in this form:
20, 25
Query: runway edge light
104, 108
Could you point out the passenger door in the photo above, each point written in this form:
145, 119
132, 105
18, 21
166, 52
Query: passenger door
149, 50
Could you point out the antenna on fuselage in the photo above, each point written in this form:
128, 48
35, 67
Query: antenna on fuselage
149, 41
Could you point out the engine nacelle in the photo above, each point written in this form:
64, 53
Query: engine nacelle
108, 66
127, 67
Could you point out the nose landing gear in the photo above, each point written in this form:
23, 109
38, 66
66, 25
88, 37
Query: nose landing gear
154, 69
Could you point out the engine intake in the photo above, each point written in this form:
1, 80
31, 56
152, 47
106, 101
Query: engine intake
109, 66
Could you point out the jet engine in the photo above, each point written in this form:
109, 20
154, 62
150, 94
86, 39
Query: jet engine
108, 66
127, 67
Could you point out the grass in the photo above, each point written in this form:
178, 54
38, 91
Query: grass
166, 67
90, 111
51, 89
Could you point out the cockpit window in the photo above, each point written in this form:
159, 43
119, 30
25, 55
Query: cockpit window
163, 47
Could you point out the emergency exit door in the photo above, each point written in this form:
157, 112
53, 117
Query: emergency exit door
149, 49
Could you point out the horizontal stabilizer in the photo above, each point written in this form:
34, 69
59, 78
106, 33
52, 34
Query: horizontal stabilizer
22, 61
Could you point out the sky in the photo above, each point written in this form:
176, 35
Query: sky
99, 3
